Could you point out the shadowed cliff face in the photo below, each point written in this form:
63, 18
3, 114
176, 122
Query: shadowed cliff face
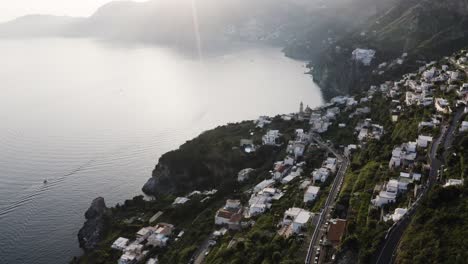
426, 30
212, 160
94, 228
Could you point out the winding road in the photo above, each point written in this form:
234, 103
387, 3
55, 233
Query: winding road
324, 215
388, 250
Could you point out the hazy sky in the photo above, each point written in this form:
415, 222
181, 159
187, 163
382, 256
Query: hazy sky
10, 9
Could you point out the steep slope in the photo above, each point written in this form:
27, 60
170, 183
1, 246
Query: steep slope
424, 29
296, 24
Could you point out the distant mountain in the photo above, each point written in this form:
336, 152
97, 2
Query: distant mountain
185, 23
38, 26
424, 29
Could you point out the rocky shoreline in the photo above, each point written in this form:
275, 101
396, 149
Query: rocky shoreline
94, 228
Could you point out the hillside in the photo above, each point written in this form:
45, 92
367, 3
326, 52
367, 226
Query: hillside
212, 24
38, 26
439, 230
425, 30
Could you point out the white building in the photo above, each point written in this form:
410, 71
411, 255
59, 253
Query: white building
258, 204
262, 121
321, 174
364, 56
244, 174
392, 186
311, 194
132, 254
120, 244
296, 218
145, 232
271, 137
464, 126
398, 214
230, 214
349, 149
180, 200
453, 182
157, 240
291, 176
363, 134
261, 201
442, 105
264, 184
404, 155
288, 160
383, 198
152, 261
388, 195
330, 164
423, 141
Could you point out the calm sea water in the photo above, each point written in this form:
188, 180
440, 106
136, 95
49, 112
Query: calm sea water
93, 119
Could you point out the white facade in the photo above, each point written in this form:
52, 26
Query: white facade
423, 141
364, 56
244, 174
392, 186
464, 126
383, 198
262, 185
120, 244
297, 218
321, 174
453, 182
311, 194
145, 232
271, 137
442, 105
330, 164
157, 240
398, 214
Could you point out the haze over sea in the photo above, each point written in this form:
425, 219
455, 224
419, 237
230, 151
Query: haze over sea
93, 119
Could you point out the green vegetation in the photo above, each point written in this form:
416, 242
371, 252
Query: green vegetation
213, 159
213, 149
368, 168
261, 243
439, 230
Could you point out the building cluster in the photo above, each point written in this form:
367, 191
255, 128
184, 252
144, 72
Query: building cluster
364, 56
146, 238
428, 89
230, 215
264, 193
182, 200
328, 168
397, 215
271, 138
366, 130
298, 146
294, 221
262, 121
262, 200
244, 174
234, 216
404, 155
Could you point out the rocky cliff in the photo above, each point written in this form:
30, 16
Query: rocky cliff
403, 35
212, 160
94, 228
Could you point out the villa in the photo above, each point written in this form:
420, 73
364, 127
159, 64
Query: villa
311, 194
